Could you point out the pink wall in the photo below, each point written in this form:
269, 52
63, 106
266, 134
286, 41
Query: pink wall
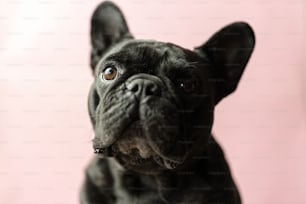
45, 132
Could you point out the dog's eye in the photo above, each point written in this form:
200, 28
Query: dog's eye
109, 73
188, 86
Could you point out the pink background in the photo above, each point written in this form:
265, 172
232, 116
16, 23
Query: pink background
45, 131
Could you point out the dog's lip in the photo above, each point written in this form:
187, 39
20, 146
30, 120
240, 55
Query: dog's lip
164, 162
135, 161
103, 152
161, 161
102, 149
171, 164
139, 161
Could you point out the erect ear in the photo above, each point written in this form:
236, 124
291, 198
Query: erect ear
108, 27
229, 51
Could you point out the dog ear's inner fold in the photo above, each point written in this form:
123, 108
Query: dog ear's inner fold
108, 27
229, 51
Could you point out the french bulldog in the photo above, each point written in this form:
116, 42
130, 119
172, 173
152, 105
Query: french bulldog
152, 108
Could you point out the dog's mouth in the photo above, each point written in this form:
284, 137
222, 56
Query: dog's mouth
133, 149
137, 160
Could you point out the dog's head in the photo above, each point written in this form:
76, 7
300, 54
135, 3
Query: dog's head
152, 103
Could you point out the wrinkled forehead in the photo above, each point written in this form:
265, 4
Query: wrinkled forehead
142, 49
147, 53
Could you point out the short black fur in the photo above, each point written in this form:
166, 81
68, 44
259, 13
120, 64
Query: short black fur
152, 109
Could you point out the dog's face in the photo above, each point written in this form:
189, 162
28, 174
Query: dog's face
153, 99
152, 103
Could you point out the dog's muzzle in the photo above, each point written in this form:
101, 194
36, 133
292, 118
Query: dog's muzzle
142, 86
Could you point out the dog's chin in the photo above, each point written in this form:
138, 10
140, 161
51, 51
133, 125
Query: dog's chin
134, 152
152, 165
146, 166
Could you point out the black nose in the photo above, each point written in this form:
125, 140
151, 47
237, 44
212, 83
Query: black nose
143, 87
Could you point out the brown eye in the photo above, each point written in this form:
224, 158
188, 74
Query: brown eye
109, 73
188, 86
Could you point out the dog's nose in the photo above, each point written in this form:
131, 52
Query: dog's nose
144, 87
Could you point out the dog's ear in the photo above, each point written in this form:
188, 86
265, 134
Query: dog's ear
229, 51
108, 26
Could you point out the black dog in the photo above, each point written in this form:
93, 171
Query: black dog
152, 106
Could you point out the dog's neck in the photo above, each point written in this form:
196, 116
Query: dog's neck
206, 171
